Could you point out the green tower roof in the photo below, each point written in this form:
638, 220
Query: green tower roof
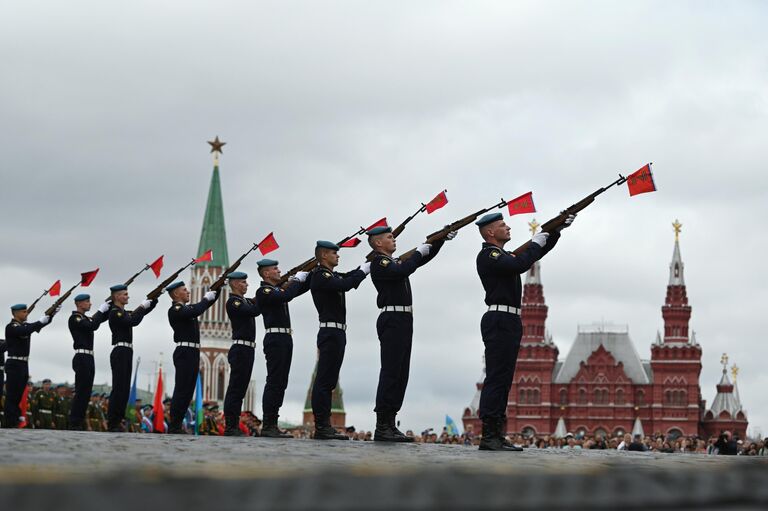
337, 401
214, 235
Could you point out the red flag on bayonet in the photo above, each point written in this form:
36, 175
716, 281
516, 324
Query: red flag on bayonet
157, 266
522, 204
437, 203
208, 256
641, 181
55, 289
268, 244
351, 243
88, 277
158, 422
23, 406
378, 223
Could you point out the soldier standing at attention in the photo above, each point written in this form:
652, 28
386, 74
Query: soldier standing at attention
62, 407
328, 290
278, 340
82, 328
501, 327
2, 374
122, 322
186, 356
395, 325
242, 314
42, 404
94, 414
17, 337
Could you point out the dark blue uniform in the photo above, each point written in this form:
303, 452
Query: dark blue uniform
242, 314
186, 359
17, 336
2, 367
499, 273
328, 288
395, 328
278, 346
82, 328
122, 322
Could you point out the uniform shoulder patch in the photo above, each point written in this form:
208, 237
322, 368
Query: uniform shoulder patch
78, 318
15, 324
177, 307
384, 262
119, 314
494, 254
267, 290
327, 274
237, 303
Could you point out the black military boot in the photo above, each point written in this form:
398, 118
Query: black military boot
502, 428
175, 427
76, 425
324, 430
270, 430
393, 424
386, 430
232, 426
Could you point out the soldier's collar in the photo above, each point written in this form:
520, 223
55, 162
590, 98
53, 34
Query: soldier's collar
323, 267
382, 254
233, 295
267, 284
491, 245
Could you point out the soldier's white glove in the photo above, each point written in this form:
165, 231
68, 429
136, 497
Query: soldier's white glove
366, 267
146, 304
104, 307
210, 296
424, 249
44, 320
451, 235
540, 239
567, 223
300, 276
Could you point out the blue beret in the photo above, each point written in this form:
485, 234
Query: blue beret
379, 230
237, 275
94, 394
82, 297
118, 287
327, 244
19, 307
175, 285
489, 219
262, 263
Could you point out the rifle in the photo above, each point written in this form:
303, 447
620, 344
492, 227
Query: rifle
399, 229
130, 281
220, 281
455, 226
310, 263
32, 306
558, 221
155, 293
51, 311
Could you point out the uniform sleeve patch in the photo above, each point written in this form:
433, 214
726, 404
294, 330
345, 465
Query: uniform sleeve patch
78, 319
267, 290
495, 254
15, 324
327, 274
237, 303
385, 262
177, 307
119, 314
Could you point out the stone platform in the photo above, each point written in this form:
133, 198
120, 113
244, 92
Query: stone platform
101, 471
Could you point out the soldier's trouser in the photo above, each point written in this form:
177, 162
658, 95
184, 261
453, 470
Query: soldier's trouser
501, 333
186, 360
240, 368
2, 378
44, 419
330, 346
278, 350
121, 361
395, 331
16, 374
84, 368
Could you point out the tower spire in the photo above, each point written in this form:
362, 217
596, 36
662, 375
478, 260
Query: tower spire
676, 311
214, 234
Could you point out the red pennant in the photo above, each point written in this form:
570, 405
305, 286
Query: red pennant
351, 243
208, 256
268, 244
378, 223
641, 181
157, 266
55, 289
437, 203
88, 277
158, 422
23, 406
522, 204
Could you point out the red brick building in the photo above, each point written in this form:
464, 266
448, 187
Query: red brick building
603, 386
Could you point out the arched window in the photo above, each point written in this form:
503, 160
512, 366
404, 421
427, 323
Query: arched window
619, 397
582, 396
521, 397
563, 397
640, 398
528, 432
674, 434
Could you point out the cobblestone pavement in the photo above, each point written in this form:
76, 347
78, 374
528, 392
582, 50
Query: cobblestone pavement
118, 471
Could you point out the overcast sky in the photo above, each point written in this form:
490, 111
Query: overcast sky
336, 114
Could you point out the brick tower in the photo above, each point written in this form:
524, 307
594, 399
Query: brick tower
676, 359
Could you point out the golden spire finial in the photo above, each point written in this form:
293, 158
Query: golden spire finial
724, 361
533, 225
677, 226
734, 372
